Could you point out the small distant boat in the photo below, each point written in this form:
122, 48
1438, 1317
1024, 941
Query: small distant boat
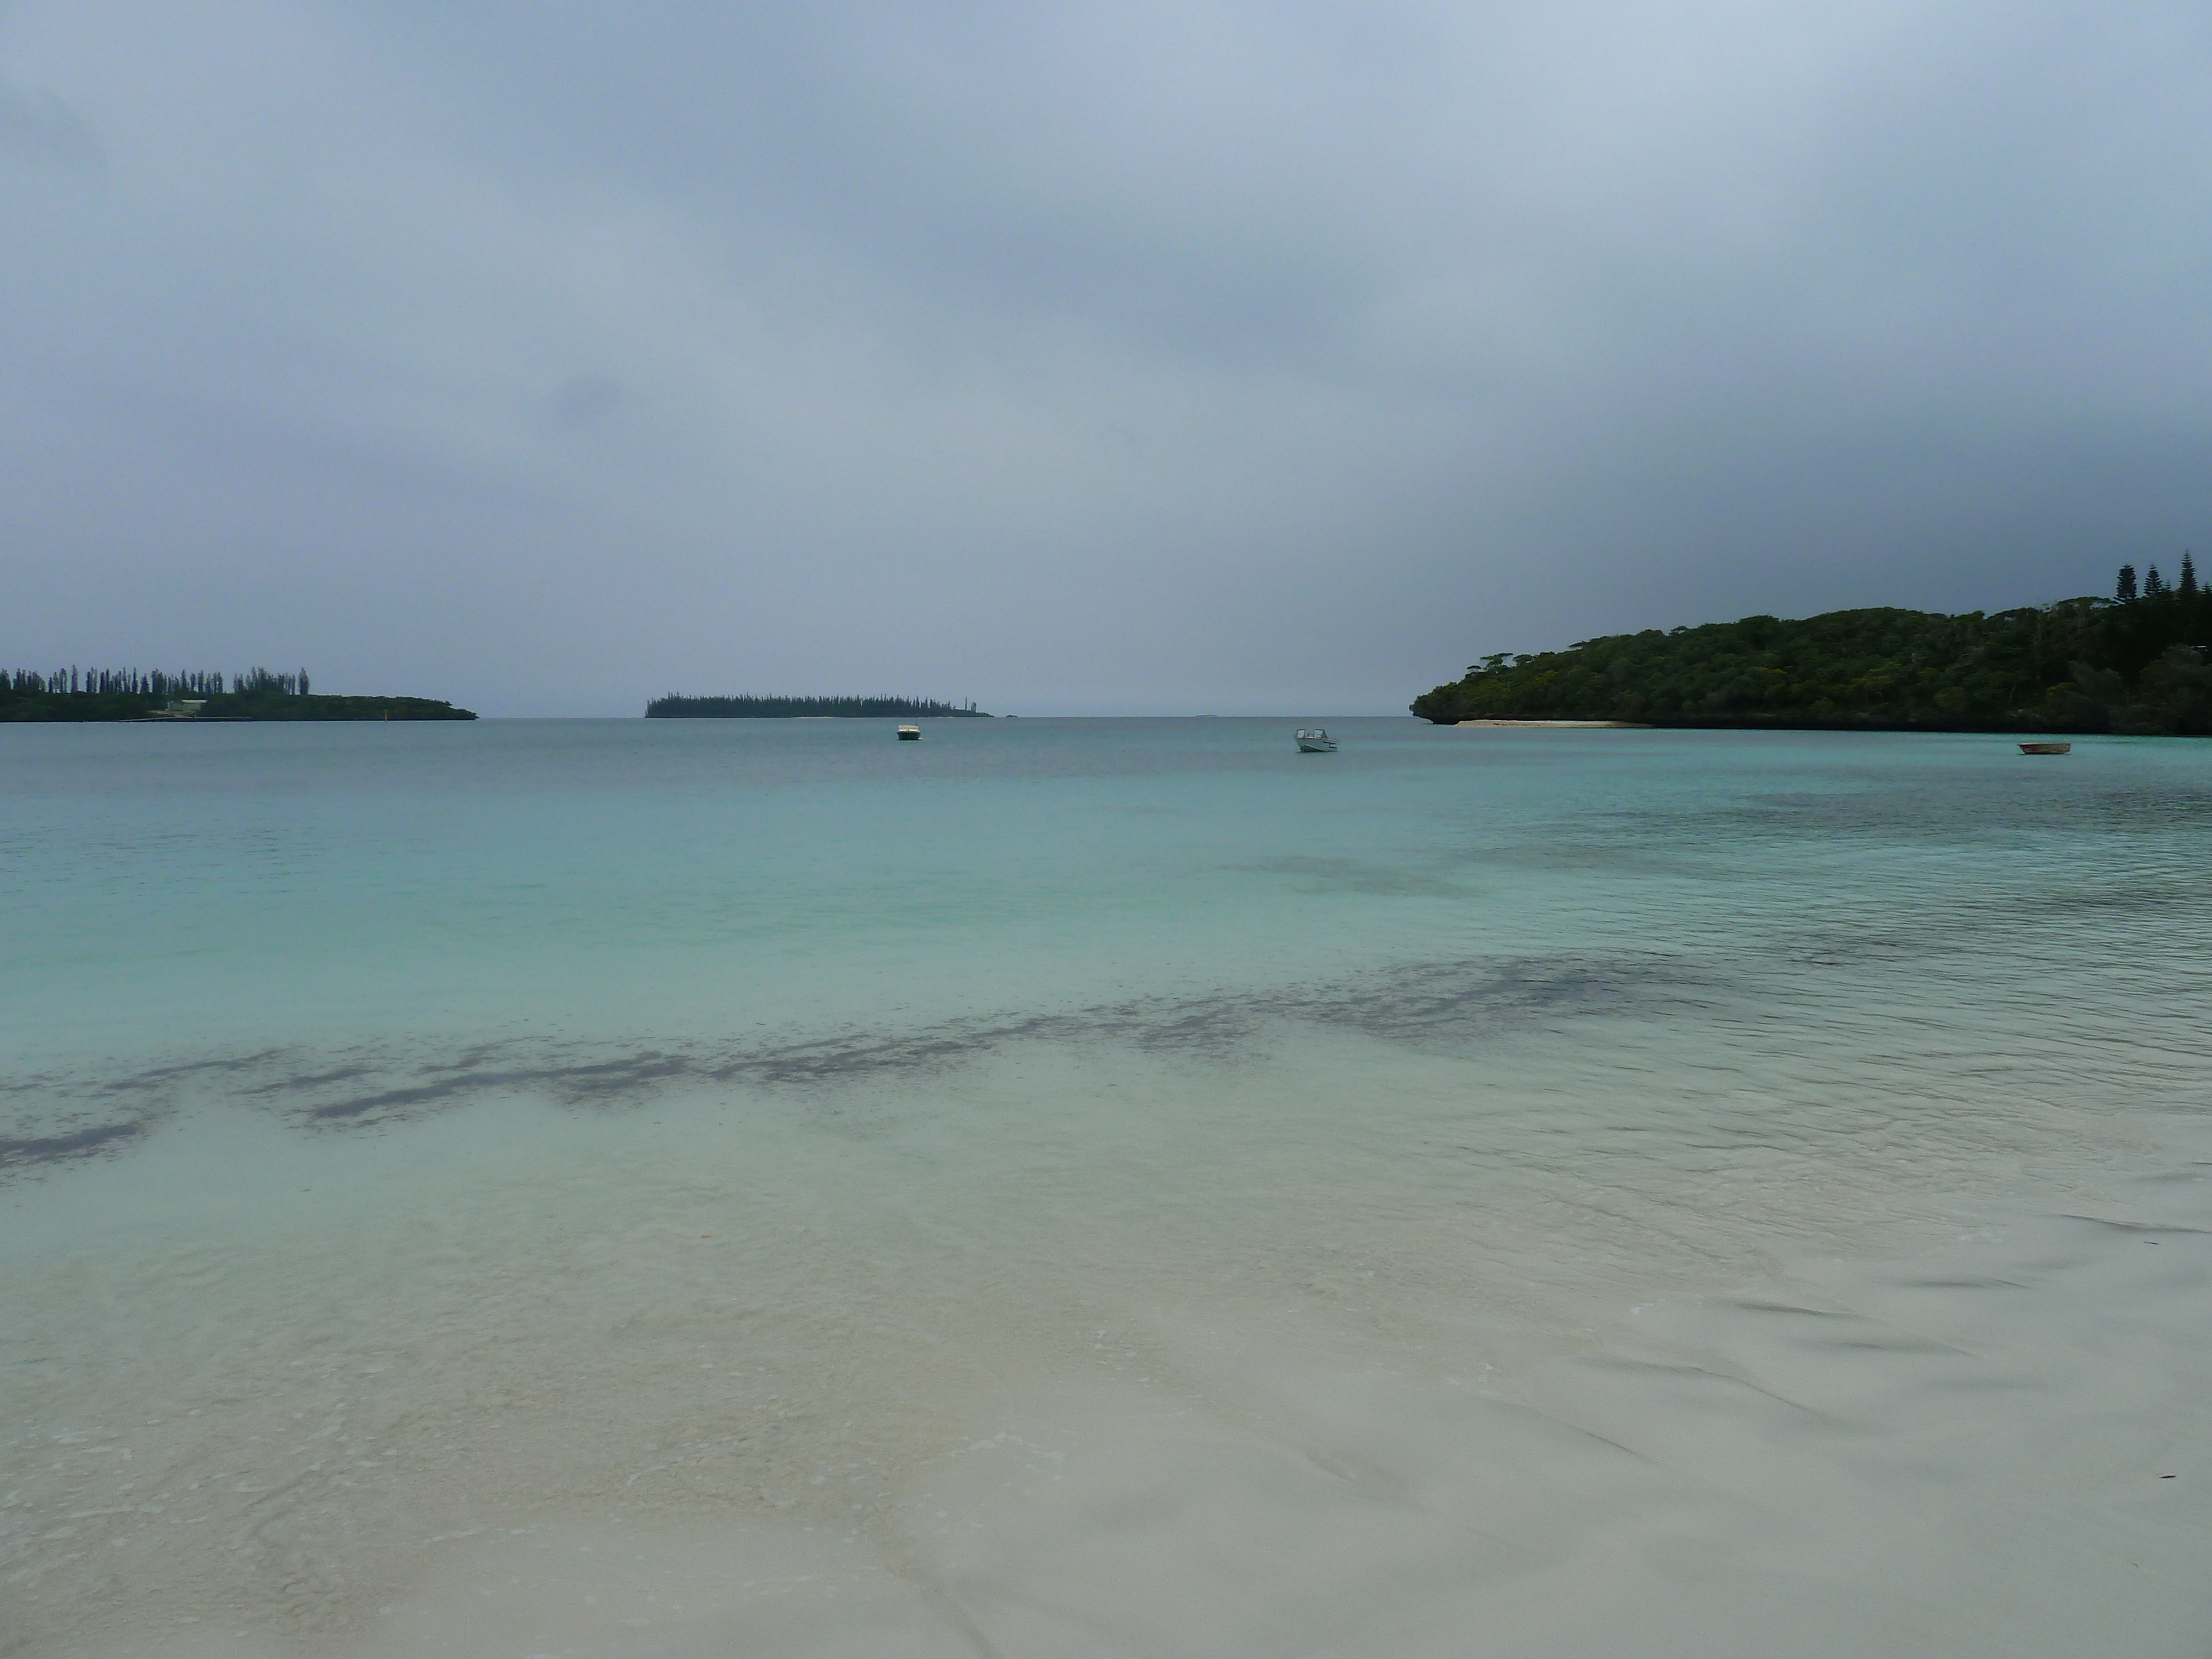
2045, 748
1315, 742
909, 734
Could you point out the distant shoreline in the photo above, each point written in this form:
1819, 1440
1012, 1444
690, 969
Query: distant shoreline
78, 695
1568, 726
675, 707
2138, 663
131, 708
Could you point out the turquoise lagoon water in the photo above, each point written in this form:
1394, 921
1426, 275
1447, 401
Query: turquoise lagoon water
423, 1132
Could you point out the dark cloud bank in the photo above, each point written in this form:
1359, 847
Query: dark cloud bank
1125, 358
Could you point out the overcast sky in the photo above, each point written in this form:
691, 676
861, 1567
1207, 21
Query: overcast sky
1076, 357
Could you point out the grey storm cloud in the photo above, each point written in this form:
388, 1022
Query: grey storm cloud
585, 400
1139, 356
37, 127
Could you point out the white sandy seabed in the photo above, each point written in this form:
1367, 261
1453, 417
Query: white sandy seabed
1998, 1445
1735, 1198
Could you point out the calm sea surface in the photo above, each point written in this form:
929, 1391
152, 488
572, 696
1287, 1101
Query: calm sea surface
410, 1132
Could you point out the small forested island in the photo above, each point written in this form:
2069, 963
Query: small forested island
673, 708
128, 694
2134, 663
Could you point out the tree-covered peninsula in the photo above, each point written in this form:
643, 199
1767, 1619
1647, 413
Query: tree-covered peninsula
2134, 663
130, 693
674, 708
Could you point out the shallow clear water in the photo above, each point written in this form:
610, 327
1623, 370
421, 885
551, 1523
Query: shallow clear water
420, 1131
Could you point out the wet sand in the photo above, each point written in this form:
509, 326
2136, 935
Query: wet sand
1999, 1446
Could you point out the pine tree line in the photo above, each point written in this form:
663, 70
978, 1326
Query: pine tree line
136, 682
113, 682
260, 679
2155, 586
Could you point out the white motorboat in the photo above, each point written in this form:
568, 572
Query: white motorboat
1315, 742
909, 734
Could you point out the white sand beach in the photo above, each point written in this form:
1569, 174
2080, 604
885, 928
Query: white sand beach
1996, 1448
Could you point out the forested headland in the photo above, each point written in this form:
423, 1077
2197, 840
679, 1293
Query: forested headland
673, 708
2134, 663
130, 693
